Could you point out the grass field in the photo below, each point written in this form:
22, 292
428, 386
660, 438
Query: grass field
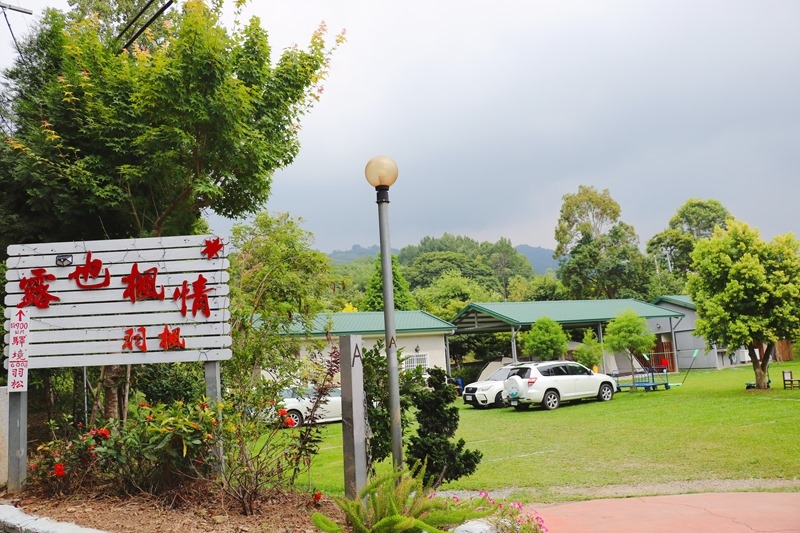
710, 428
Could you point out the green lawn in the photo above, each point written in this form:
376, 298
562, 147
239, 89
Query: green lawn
709, 428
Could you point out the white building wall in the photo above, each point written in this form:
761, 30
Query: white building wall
431, 344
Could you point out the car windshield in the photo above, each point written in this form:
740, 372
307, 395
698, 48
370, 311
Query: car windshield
499, 375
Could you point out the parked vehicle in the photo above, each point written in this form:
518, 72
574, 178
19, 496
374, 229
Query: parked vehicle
299, 402
488, 392
551, 382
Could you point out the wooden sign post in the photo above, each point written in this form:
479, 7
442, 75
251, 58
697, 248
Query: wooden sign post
115, 302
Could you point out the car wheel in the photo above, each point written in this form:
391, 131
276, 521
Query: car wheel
498, 400
606, 392
522, 406
551, 400
297, 417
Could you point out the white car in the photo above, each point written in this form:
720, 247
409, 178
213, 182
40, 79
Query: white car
299, 402
488, 392
551, 382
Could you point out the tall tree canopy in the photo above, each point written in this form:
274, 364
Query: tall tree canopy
277, 281
696, 219
586, 213
609, 266
107, 143
747, 292
373, 298
493, 265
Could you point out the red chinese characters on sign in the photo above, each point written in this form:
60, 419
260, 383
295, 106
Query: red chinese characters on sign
36, 289
212, 248
135, 338
142, 285
198, 294
91, 269
18, 352
171, 338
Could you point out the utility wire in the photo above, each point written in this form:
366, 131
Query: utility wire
147, 24
4, 7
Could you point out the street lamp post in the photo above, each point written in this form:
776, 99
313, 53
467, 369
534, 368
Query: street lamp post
381, 173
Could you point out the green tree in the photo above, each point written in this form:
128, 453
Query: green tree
373, 298
543, 287
546, 340
450, 293
747, 292
113, 16
432, 446
445, 243
492, 265
610, 266
506, 263
429, 266
585, 213
699, 218
108, 144
629, 333
376, 393
696, 219
277, 280
671, 251
590, 351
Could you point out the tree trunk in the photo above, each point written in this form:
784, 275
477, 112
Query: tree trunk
759, 358
111, 385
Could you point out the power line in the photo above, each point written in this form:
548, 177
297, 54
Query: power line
4, 7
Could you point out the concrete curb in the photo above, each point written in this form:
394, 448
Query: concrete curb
12, 520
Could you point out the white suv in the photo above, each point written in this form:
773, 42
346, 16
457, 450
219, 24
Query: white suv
550, 382
488, 392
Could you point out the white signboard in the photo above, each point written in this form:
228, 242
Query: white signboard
18, 351
113, 302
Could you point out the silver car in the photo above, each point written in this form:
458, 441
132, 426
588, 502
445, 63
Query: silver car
551, 382
299, 402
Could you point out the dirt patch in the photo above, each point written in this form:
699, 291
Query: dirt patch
291, 513
287, 513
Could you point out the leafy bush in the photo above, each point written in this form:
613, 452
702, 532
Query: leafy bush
400, 501
376, 391
438, 422
169, 382
590, 352
158, 449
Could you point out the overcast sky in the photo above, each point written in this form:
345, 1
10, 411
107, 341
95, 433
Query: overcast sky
495, 110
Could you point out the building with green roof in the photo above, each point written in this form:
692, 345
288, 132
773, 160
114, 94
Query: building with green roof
421, 336
690, 350
514, 317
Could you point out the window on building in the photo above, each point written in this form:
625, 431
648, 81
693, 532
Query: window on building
414, 360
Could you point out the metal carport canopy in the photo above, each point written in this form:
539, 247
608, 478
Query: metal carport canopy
490, 317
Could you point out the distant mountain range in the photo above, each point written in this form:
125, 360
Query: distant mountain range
541, 258
340, 257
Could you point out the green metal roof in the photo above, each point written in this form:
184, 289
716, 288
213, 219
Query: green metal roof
683, 300
371, 323
501, 316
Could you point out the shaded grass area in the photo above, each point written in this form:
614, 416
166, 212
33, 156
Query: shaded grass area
708, 428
